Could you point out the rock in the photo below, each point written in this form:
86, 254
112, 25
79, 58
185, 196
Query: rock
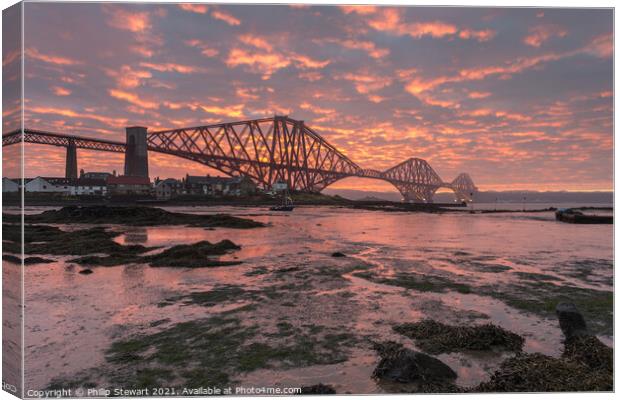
399, 364
571, 320
37, 260
318, 389
338, 254
86, 271
11, 258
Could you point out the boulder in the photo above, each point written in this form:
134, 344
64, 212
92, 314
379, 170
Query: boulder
571, 320
86, 271
338, 254
399, 364
318, 389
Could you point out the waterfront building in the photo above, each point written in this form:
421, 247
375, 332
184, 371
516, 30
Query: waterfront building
10, 185
90, 187
168, 188
128, 185
48, 185
217, 186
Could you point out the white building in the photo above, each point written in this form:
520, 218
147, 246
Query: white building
9, 186
89, 187
49, 185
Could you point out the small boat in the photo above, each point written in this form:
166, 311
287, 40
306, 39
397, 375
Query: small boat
287, 204
577, 217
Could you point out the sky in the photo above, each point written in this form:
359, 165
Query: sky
518, 98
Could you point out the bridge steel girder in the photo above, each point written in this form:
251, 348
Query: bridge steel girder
267, 150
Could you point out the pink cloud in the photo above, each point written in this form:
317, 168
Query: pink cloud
120, 18
195, 8
48, 58
226, 17
540, 34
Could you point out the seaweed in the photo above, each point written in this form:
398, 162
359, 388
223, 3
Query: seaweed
436, 338
419, 282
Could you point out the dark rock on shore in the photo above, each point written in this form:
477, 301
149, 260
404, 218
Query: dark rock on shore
44, 239
37, 260
399, 364
338, 254
318, 389
540, 373
11, 258
193, 255
436, 338
86, 271
134, 216
586, 363
571, 321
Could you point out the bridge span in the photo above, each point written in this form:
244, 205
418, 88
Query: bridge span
267, 150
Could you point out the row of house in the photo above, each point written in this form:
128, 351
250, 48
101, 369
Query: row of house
102, 184
209, 186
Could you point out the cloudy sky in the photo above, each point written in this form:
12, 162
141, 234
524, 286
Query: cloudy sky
519, 98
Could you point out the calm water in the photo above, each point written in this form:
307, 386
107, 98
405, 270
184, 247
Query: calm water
71, 319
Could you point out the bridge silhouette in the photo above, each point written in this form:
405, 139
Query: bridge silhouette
268, 150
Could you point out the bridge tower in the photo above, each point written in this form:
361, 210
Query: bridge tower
136, 154
71, 166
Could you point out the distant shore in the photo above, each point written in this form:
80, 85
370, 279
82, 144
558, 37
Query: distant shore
262, 200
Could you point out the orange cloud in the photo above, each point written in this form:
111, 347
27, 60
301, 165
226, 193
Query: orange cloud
262, 60
478, 95
50, 59
316, 109
171, 67
362, 10
366, 82
367, 46
226, 17
601, 46
126, 20
60, 91
204, 48
482, 36
306, 62
389, 20
375, 98
195, 8
65, 112
539, 34
256, 41
128, 77
132, 98
235, 111
265, 63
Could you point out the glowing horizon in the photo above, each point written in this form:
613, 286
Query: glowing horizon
518, 98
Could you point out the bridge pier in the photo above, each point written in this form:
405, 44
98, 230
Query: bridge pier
136, 153
71, 166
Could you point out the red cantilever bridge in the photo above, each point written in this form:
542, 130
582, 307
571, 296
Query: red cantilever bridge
266, 150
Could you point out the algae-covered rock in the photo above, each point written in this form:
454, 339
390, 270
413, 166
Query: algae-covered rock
318, 389
540, 373
399, 364
194, 255
436, 338
134, 216
571, 321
